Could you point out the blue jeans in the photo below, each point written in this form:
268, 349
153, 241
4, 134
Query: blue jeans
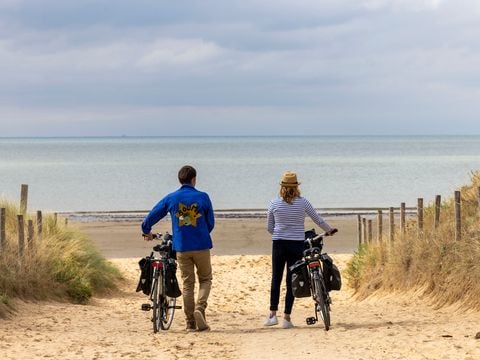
283, 252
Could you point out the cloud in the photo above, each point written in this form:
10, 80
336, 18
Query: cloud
9, 4
404, 5
336, 59
178, 52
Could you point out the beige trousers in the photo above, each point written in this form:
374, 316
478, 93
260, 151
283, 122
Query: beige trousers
188, 261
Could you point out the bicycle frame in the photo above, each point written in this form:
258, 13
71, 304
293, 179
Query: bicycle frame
162, 305
158, 275
313, 258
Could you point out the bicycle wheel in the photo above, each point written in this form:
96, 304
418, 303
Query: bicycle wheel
321, 305
167, 311
156, 305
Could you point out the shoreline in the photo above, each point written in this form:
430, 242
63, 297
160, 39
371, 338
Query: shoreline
136, 215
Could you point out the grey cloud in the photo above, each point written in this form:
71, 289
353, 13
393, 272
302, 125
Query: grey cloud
344, 60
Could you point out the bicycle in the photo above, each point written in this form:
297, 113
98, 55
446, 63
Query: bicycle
314, 260
163, 306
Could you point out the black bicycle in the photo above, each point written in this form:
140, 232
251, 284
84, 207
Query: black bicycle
163, 306
315, 262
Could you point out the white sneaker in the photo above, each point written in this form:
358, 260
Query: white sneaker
287, 324
271, 321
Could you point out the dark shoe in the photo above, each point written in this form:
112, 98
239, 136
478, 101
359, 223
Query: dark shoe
191, 326
200, 320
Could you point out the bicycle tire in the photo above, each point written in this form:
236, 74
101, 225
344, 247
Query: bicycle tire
321, 305
156, 306
167, 311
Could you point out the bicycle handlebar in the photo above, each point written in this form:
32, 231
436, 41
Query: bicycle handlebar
160, 236
315, 243
326, 233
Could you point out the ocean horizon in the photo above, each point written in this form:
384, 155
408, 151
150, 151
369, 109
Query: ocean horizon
238, 172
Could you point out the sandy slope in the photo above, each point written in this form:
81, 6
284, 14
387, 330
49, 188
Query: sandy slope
115, 328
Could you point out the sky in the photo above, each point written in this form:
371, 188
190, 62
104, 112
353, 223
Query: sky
216, 67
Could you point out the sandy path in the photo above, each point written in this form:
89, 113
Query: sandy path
114, 327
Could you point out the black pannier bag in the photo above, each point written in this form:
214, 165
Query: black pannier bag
300, 279
146, 275
331, 274
171, 284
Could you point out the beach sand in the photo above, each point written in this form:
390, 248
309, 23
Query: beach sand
113, 327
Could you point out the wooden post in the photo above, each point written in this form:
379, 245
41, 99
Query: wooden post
379, 226
403, 226
359, 229
23, 199
3, 234
438, 204
55, 216
392, 225
66, 221
458, 216
21, 235
39, 224
420, 218
30, 233
364, 226
369, 226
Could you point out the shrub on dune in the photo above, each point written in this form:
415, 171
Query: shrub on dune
62, 264
438, 266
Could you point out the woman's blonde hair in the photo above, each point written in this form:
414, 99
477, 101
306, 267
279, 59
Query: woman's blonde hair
288, 193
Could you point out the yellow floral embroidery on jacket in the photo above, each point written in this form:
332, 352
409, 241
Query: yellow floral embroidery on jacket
187, 214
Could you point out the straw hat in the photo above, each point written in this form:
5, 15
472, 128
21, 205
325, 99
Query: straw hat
289, 179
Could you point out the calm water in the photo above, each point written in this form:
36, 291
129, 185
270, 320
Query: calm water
71, 174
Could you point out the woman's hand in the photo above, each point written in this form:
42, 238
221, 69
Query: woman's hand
331, 232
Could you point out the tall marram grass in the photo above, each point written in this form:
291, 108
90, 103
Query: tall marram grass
63, 264
437, 267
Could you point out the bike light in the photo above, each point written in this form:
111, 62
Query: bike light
158, 264
314, 264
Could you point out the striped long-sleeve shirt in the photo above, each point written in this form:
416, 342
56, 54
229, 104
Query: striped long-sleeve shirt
287, 221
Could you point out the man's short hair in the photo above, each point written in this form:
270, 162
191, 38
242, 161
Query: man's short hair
186, 174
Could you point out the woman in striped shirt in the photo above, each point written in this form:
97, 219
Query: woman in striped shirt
286, 223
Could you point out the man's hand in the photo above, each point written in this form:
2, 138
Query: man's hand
147, 237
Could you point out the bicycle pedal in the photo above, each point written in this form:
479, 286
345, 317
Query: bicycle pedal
177, 307
311, 320
146, 307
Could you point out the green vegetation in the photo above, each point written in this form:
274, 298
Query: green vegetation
63, 264
437, 266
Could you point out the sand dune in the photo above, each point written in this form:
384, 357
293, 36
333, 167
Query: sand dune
113, 327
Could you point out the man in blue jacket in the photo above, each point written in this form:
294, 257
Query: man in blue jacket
192, 221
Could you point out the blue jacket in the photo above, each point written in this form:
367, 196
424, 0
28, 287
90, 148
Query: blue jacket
192, 218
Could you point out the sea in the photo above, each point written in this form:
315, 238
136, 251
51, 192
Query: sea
134, 173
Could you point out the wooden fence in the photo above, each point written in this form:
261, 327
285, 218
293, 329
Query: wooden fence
32, 230
364, 224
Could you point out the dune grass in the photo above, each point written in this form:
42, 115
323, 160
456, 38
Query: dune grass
62, 264
436, 267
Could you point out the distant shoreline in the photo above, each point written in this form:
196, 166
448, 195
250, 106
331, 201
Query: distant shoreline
137, 215
242, 136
